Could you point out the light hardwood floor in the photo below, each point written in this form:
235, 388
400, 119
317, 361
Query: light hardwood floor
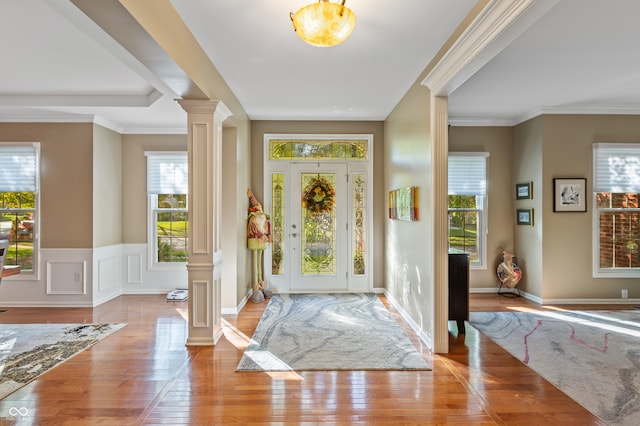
144, 374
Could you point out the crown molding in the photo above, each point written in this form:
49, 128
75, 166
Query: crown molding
44, 117
58, 100
60, 117
57, 117
155, 130
572, 110
480, 122
495, 27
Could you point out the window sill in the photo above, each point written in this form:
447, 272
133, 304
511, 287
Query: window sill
178, 266
621, 273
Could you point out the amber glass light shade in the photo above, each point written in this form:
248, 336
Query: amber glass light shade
324, 24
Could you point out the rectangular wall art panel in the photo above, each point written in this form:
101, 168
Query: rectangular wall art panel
403, 203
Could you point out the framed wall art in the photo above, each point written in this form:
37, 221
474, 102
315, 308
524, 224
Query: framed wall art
569, 195
403, 203
524, 217
524, 191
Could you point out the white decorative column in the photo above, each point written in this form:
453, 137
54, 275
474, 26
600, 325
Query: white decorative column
205, 119
440, 179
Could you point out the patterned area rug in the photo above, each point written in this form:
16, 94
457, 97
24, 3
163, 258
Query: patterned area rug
29, 350
592, 356
329, 332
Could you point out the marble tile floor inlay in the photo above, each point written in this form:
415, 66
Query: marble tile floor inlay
29, 350
592, 356
304, 332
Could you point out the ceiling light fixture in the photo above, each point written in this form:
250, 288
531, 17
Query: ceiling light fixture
324, 24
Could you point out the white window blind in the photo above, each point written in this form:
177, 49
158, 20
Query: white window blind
167, 172
468, 173
616, 167
18, 168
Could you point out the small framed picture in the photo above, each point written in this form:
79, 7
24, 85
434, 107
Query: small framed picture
403, 203
569, 195
524, 191
525, 217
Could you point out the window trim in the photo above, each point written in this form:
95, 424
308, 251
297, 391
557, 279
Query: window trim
152, 238
481, 263
152, 205
599, 272
597, 149
34, 274
483, 212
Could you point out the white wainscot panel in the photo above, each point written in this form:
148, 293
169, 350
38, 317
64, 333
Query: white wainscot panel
66, 277
139, 276
108, 274
134, 268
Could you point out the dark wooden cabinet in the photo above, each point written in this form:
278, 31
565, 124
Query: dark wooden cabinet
459, 289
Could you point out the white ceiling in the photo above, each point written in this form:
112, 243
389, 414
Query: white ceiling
58, 65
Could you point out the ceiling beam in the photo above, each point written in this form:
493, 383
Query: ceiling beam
496, 26
110, 24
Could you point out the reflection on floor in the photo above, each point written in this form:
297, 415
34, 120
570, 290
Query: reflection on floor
144, 374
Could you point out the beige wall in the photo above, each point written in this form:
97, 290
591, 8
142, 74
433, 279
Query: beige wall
259, 128
409, 247
528, 165
66, 182
498, 142
236, 178
567, 237
107, 187
234, 257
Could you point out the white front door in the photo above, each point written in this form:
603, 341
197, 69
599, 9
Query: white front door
319, 196
318, 227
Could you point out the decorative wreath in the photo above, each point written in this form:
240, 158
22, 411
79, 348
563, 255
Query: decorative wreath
319, 196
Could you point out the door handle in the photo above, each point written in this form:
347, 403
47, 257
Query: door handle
294, 235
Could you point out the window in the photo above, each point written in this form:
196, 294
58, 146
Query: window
616, 175
314, 149
468, 205
167, 183
19, 177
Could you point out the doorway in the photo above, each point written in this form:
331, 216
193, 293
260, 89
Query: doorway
320, 216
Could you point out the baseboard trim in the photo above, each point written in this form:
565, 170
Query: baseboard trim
239, 308
589, 301
494, 290
17, 304
557, 301
424, 337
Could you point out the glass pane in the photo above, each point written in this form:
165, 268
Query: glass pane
319, 224
464, 222
172, 227
277, 223
603, 200
17, 214
620, 239
359, 221
172, 201
463, 201
289, 149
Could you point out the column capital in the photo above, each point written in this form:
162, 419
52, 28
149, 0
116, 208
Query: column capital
205, 106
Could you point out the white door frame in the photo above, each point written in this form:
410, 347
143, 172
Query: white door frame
355, 283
